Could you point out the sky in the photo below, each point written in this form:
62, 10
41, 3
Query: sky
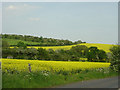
0, 17
92, 22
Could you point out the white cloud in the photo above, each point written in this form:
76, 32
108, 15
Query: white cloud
11, 7
34, 19
21, 7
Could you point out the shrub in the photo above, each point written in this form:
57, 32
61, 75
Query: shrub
115, 61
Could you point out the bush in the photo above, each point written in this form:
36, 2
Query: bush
21, 44
5, 44
115, 61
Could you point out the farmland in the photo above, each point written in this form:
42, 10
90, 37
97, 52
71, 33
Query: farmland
55, 66
39, 65
47, 44
50, 73
14, 41
25, 73
104, 47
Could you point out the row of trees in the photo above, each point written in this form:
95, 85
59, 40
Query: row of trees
41, 41
74, 54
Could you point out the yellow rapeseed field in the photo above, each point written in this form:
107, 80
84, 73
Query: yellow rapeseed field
104, 47
54, 66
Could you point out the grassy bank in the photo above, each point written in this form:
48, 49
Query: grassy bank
49, 79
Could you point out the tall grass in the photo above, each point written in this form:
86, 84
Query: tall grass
49, 79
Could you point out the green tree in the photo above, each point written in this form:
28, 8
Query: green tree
20, 53
43, 54
102, 55
92, 53
57, 57
21, 44
78, 42
31, 53
79, 50
5, 44
6, 52
115, 61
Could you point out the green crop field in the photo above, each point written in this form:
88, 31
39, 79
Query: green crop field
14, 41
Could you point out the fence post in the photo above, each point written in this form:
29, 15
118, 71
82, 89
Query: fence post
0, 65
29, 66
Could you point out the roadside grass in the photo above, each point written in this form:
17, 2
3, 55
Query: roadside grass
44, 80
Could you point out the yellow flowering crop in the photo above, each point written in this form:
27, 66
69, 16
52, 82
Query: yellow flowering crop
104, 47
54, 66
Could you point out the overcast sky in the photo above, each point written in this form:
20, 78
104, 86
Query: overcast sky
91, 22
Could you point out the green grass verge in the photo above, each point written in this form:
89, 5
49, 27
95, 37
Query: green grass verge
40, 80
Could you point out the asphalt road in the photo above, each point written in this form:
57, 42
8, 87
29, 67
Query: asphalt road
98, 83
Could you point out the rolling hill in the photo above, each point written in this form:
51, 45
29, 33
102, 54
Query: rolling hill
104, 47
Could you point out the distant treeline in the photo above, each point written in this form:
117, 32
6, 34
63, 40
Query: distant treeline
41, 41
41, 45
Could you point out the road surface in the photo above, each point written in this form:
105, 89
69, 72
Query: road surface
98, 83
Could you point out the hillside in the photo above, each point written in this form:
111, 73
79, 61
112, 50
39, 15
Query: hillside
104, 47
13, 39
50, 43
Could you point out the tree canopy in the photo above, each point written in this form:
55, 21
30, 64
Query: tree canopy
115, 61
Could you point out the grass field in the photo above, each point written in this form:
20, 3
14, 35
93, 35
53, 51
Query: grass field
14, 41
39, 80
